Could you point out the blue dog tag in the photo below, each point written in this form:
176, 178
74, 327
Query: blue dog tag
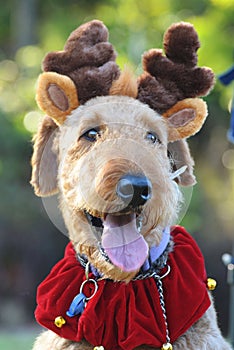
77, 306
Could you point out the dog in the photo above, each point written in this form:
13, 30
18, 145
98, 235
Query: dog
114, 148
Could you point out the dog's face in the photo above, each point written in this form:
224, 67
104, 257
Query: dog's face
114, 177
108, 156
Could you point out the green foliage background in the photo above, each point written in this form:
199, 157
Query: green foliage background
29, 243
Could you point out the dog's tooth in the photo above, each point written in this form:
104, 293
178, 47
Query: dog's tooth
139, 223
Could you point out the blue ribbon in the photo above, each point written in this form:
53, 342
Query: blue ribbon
226, 78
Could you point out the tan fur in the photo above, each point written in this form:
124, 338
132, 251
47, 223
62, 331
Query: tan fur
125, 85
97, 197
179, 151
44, 160
86, 170
120, 148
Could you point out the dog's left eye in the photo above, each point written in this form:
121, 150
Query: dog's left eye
152, 137
91, 135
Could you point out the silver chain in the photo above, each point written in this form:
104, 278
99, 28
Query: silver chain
162, 303
154, 274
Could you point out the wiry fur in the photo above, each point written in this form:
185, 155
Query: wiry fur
180, 155
86, 171
120, 140
44, 161
77, 157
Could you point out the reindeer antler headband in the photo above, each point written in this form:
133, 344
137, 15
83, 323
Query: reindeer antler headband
170, 84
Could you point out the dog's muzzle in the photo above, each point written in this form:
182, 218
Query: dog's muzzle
134, 190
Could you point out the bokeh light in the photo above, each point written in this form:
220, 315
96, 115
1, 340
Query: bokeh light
228, 159
32, 120
29, 56
8, 70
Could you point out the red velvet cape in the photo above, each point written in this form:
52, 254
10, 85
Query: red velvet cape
124, 316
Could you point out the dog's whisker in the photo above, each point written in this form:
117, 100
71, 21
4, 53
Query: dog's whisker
178, 172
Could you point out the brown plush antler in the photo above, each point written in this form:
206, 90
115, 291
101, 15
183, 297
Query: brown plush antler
171, 84
174, 77
88, 59
86, 68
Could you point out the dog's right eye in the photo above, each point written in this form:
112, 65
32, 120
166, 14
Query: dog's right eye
91, 135
152, 137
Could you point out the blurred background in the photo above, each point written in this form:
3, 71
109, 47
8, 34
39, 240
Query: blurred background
29, 242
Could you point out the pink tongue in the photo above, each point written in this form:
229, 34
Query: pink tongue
122, 242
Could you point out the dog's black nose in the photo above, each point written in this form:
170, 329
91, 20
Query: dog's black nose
134, 190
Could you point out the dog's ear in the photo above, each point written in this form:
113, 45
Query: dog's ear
56, 95
185, 118
86, 68
44, 159
179, 154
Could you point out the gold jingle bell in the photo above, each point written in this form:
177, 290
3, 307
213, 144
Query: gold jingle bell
167, 346
59, 321
211, 284
98, 348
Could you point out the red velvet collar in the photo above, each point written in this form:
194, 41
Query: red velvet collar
124, 316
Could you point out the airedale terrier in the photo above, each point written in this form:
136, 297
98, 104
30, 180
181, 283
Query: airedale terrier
114, 148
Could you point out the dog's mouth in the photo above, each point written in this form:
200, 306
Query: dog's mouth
120, 239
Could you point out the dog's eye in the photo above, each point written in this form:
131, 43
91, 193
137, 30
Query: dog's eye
152, 137
91, 135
